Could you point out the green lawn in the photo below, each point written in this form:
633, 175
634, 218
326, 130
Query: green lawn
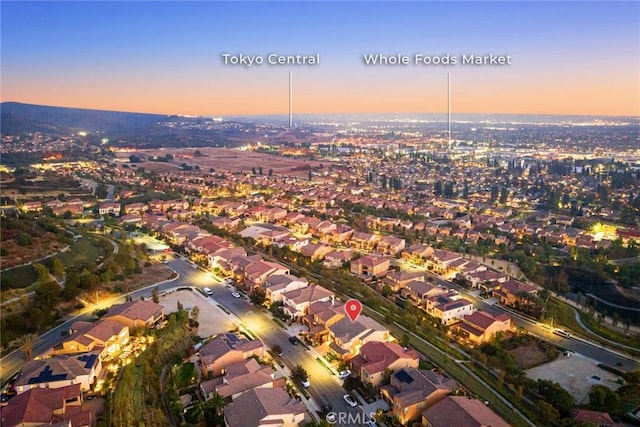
19, 277
85, 251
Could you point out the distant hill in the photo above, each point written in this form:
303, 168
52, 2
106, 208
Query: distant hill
18, 118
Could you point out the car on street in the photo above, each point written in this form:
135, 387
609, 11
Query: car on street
207, 291
229, 280
235, 294
344, 374
294, 340
306, 383
350, 401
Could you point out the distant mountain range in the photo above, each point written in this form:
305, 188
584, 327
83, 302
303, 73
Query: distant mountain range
17, 118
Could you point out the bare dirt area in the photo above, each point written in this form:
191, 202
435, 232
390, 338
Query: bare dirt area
158, 167
235, 160
150, 275
529, 355
576, 374
39, 247
212, 320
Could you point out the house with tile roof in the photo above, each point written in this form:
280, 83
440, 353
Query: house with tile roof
278, 284
461, 411
137, 313
46, 406
265, 407
447, 309
391, 245
297, 302
257, 273
480, 326
106, 335
511, 292
60, 371
241, 377
347, 337
411, 391
226, 349
370, 266
376, 358
585, 417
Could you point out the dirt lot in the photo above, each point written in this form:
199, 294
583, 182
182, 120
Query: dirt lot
232, 160
575, 374
211, 318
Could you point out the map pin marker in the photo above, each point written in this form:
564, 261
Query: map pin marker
353, 309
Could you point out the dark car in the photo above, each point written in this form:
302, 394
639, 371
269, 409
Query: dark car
294, 340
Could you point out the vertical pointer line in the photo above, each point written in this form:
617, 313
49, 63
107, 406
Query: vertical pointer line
449, 108
290, 99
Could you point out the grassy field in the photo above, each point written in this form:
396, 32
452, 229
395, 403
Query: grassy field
85, 251
19, 277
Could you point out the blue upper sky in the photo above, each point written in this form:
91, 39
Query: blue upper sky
63, 41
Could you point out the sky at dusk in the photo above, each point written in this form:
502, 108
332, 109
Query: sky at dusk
165, 57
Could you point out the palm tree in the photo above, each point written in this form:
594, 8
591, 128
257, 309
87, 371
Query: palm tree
213, 410
27, 341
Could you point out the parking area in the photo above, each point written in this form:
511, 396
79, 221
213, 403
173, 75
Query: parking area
212, 319
576, 374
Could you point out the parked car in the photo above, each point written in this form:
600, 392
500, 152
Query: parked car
294, 340
350, 401
306, 383
331, 417
235, 294
207, 291
344, 374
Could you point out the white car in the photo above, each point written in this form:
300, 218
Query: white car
229, 280
331, 417
344, 374
347, 398
235, 294
306, 383
207, 291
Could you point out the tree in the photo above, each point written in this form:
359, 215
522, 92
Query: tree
43, 272
404, 340
154, 295
298, 373
257, 296
23, 239
437, 188
195, 312
58, 268
548, 413
27, 341
277, 349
